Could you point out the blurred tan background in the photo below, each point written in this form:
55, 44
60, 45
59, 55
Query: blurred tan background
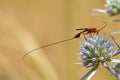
28, 24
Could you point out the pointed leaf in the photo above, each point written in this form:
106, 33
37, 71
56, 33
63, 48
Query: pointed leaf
89, 73
115, 60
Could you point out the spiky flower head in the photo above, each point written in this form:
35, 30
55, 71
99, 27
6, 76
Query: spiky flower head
112, 7
95, 50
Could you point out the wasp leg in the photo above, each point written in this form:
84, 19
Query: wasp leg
90, 34
85, 36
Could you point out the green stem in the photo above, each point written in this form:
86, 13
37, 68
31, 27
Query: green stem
88, 73
111, 70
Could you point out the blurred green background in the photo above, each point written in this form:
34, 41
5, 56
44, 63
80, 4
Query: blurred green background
28, 24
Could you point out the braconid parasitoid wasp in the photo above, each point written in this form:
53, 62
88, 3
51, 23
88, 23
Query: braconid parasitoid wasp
84, 31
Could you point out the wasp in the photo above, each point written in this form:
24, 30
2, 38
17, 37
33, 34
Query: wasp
84, 31
89, 31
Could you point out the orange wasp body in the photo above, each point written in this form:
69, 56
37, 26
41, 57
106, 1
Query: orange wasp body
84, 31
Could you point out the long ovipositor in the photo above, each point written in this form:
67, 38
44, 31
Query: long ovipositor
84, 31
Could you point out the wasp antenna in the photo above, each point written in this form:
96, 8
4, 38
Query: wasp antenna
46, 46
80, 29
103, 26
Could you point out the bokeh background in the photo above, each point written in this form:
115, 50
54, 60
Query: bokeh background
28, 24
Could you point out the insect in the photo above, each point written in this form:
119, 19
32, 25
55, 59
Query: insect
84, 31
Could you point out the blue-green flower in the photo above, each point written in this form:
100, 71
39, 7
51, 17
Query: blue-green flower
95, 50
112, 7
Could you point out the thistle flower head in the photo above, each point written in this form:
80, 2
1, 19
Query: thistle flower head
112, 7
96, 49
